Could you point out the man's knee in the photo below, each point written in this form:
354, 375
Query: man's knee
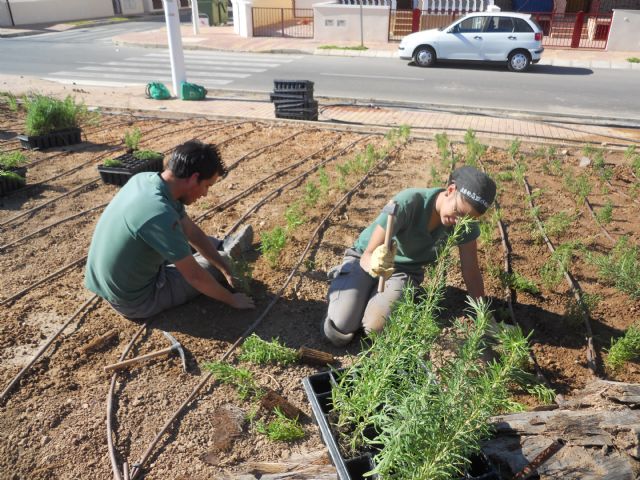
376, 314
335, 335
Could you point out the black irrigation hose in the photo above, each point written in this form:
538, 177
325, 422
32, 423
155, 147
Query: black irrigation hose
259, 150
42, 349
595, 219
137, 467
575, 290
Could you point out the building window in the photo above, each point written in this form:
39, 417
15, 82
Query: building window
328, 23
341, 23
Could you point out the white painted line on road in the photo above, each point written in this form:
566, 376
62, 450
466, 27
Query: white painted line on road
374, 77
94, 83
165, 71
163, 64
220, 61
138, 78
220, 53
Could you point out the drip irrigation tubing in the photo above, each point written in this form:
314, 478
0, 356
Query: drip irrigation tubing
595, 219
42, 349
138, 466
510, 293
110, 397
575, 290
265, 147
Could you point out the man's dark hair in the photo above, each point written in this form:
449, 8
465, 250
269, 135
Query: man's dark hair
195, 156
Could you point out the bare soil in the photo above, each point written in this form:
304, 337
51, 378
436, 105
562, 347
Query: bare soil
53, 423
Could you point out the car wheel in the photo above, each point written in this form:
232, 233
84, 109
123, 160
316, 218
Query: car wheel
518, 61
424, 56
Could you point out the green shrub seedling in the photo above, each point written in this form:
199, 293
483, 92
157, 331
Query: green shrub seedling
281, 429
46, 114
311, 194
240, 378
242, 272
13, 176
557, 224
132, 139
624, 348
12, 160
147, 155
11, 100
259, 351
605, 214
620, 268
323, 181
272, 243
294, 217
112, 163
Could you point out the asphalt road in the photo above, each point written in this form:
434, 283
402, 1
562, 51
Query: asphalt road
87, 56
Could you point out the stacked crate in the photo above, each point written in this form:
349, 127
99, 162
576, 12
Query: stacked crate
294, 99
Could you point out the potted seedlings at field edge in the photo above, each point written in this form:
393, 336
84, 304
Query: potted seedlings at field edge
13, 175
51, 122
118, 171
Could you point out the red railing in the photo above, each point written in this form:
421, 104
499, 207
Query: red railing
404, 22
574, 30
282, 22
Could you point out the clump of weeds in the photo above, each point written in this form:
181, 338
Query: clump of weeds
624, 349
256, 350
605, 214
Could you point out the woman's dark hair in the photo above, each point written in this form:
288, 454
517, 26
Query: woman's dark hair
195, 156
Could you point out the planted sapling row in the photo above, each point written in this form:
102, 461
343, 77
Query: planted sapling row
13, 173
620, 267
624, 349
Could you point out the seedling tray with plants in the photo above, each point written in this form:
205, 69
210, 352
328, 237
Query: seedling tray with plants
58, 138
318, 389
119, 170
12, 174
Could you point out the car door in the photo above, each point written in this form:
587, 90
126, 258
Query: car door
463, 40
498, 38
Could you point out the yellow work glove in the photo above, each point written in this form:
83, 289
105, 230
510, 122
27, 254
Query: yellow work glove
381, 263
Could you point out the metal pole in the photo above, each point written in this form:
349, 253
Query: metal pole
361, 25
195, 17
13, 24
176, 54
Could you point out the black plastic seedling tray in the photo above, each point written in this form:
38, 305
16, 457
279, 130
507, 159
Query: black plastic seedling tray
293, 86
60, 138
318, 389
130, 166
8, 185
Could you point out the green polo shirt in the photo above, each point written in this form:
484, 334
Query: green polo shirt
417, 246
139, 230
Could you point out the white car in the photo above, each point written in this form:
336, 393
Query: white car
508, 37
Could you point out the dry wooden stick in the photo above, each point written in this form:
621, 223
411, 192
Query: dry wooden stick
98, 342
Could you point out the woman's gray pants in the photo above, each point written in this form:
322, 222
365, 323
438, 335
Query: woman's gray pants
354, 301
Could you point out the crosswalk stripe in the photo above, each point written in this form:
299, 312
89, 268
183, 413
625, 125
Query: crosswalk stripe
165, 70
165, 64
253, 57
167, 78
224, 62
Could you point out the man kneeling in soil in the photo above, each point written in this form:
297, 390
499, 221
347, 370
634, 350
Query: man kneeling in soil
140, 259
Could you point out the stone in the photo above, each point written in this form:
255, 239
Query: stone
584, 162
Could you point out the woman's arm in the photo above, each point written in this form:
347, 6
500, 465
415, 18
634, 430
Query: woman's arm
470, 269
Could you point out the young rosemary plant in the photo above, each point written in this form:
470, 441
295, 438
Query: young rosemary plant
294, 216
557, 224
624, 348
112, 163
240, 378
558, 262
272, 243
259, 351
605, 214
132, 139
442, 142
311, 194
9, 160
281, 429
620, 267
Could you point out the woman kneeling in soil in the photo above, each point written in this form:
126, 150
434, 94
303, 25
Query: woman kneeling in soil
424, 220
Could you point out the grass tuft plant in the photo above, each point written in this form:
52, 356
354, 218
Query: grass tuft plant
112, 163
11, 160
620, 268
605, 214
240, 378
256, 350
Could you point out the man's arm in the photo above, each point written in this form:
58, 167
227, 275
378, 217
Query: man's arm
200, 241
470, 269
204, 282
377, 239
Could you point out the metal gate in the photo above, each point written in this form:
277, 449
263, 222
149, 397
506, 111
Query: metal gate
574, 30
282, 22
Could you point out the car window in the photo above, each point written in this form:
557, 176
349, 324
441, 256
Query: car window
522, 25
499, 25
470, 25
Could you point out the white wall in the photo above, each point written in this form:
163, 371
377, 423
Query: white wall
131, 7
624, 34
334, 23
46, 11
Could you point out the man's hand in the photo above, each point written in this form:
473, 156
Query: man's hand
229, 278
381, 263
242, 301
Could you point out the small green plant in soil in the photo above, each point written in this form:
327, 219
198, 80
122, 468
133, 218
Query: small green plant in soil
542, 393
112, 163
475, 149
294, 217
259, 351
605, 214
46, 114
242, 272
281, 429
620, 267
520, 283
12, 160
558, 224
504, 176
576, 310
11, 100
271, 244
147, 155
486, 232
323, 181
633, 60
311, 194
558, 262
240, 378
514, 148
624, 348
588, 150
630, 152
442, 142
579, 186
13, 176
132, 139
